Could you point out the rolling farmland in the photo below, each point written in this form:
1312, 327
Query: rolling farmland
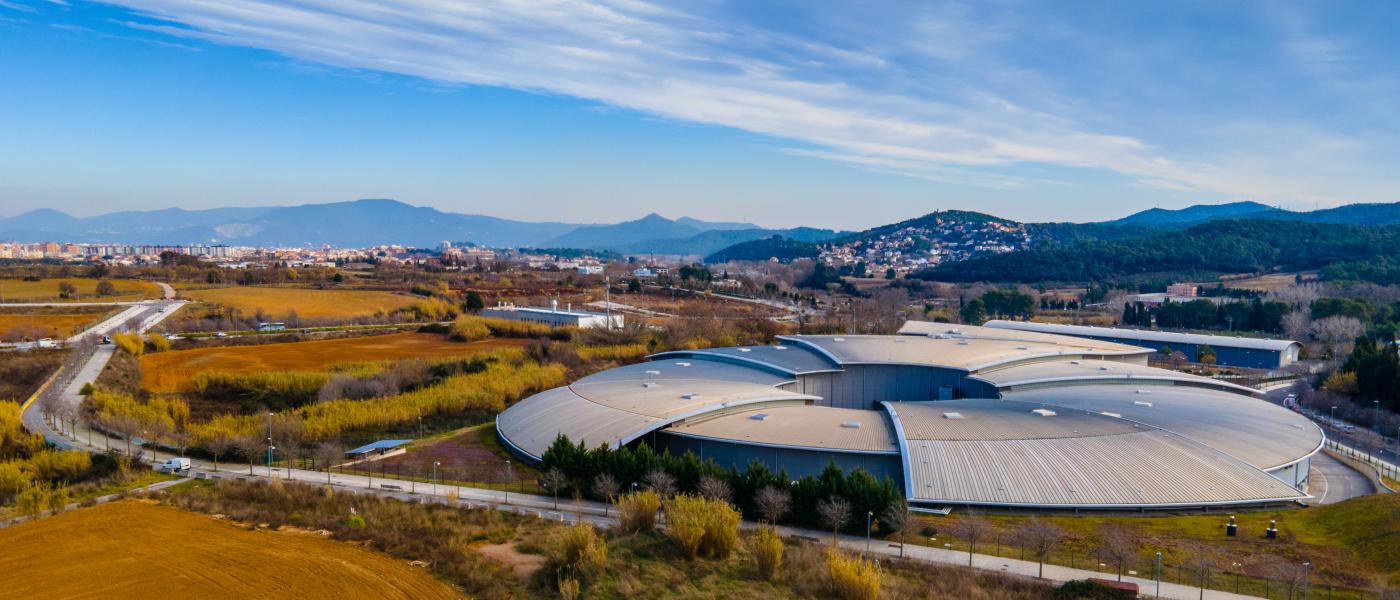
146, 549
172, 371
46, 290
277, 302
54, 322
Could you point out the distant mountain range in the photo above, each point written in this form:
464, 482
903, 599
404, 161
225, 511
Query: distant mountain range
1349, 214
362, 223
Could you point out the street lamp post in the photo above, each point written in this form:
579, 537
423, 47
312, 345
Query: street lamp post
509, 474
1159, 575
1236, 567
1306, 587
869, 518
435, 466
1332, 421
269, 444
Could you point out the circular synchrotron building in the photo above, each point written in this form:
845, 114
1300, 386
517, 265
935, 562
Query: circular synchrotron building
958, 415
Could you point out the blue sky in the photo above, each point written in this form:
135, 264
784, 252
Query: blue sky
782, 113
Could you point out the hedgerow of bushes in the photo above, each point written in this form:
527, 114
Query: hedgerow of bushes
582, 465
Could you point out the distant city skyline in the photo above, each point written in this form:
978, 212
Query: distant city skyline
779, 114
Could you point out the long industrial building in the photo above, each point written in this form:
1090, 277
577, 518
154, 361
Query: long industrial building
958, 415
1230, 351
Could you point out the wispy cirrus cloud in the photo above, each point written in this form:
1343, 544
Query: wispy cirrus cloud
926, 93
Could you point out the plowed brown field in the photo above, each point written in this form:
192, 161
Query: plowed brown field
132, 549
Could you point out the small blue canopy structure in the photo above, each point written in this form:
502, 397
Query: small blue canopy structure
379, 446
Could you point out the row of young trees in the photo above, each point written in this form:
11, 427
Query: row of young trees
833, 499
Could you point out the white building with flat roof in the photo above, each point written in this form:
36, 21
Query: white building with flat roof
554, 316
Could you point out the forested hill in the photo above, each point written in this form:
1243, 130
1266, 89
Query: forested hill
779, 247
1370, 253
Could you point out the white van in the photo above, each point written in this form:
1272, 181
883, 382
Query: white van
174, 465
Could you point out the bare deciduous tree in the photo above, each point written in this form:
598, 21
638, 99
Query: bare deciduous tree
606, 485
1296, 325
1337, 334
714, 488
553, 480
1040, 537
773, 503
834, 513
1201, 563
1287, 572
218, 445
896, 517
252, 448
972, 527
660, 482
328, 453
287, 432
1117, 543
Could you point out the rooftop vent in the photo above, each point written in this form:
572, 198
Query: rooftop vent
1142, 403
1023, 347
780, 347
760, 417
653, 372
682, 364
1111, 414
851, 424
1144, 391
745, 350
1044, 412
690, 396
838, 339
651, 384
955, 416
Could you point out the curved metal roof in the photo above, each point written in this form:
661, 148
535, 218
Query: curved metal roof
1168, 337
1077, 423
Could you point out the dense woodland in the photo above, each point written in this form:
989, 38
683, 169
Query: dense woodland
1341, 251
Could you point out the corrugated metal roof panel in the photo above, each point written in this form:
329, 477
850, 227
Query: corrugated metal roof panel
1146, 468
792, 358
533, 423
1185, 339
966, 353
800, 426
991, 419
1090, 371
1255, 431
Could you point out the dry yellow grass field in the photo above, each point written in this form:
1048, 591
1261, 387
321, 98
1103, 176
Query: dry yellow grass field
308, 303
55, 326
172, 371
46, 290
132, 549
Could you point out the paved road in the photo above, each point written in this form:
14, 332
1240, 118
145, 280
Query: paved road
1333, 481
1360, 439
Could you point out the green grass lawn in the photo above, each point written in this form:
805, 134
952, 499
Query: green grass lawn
1352, 546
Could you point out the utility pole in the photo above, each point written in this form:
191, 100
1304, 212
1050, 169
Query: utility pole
607, 299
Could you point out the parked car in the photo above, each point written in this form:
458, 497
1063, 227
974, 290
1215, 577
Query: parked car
174, 465
47, 343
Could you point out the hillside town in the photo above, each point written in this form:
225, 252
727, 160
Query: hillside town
935, 240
